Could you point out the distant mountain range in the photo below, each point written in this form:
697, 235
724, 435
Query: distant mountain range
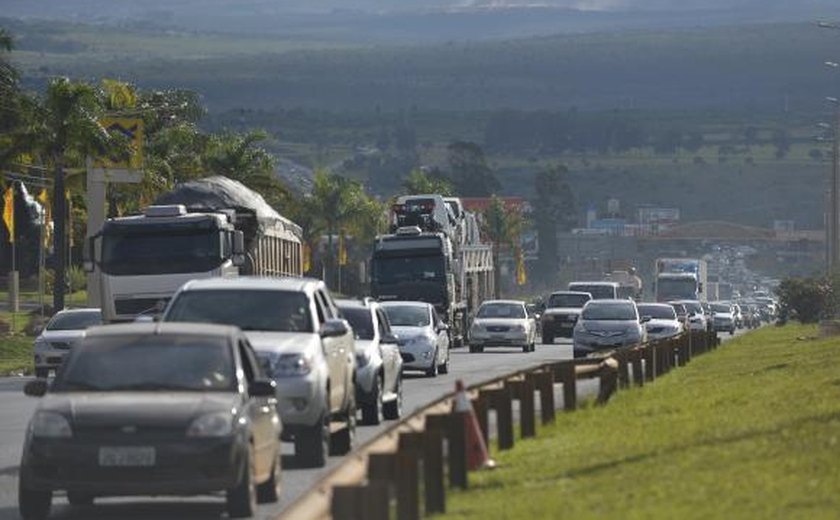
419, 21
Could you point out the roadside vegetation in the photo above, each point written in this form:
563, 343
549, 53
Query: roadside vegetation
749, 431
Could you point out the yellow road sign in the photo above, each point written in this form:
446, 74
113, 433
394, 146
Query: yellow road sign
132, 129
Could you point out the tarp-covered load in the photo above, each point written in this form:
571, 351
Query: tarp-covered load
220, 193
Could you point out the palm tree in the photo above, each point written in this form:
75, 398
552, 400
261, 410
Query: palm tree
503, 226
65, 129
420, 182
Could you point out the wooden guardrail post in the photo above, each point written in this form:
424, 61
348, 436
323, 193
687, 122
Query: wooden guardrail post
636, 356
433, 474
457, 450
608, 381
408, 492
523, 391
623, 356
362, 502
503, 404
545, 383
650, 362
564, 372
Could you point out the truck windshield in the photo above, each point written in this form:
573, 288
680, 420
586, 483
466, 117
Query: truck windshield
391, 270
248, 309
598, 291
675, 289
161, 250
575, 301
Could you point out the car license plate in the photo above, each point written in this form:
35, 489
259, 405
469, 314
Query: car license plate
498, 337
129, 456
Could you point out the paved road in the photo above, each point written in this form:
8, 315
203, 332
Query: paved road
16, 409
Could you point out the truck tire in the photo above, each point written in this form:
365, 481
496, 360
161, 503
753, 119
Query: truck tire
372, 411
312, 445
341, 442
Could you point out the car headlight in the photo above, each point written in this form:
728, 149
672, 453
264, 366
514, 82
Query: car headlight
50, 425
41, 344
518, 328
476, 327
216, 424
286, 365
423, 339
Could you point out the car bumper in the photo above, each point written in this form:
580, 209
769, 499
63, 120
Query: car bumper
510, 339
724, 326
49, 358
301, 400
583, 348
555, 327
418, 356
195, 467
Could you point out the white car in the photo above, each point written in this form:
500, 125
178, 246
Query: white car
723, 317
695, 314
303, 343
423, 336
502, 323
663, 322
62, 332
378, 361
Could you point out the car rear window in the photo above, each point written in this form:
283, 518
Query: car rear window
609, 312
75, 320
248, 309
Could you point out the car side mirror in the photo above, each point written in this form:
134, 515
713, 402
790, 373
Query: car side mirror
645, 319
262, 388
334, 328
35, 388
390, 339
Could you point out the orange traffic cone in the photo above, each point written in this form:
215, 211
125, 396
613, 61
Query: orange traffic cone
477, 455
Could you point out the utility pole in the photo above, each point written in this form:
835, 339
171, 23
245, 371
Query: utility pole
835, 186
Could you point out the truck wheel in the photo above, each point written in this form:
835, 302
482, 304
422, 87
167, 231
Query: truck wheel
269, 491
242, 499
312, 444
33, 504
372, 411
432, 371
341, 442
393, 409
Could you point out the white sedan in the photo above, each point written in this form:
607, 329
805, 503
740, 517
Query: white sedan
502, 323
663, 321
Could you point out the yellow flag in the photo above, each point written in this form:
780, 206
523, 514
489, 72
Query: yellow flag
521, 275
307, 258
44, 199
9, 212
342, 250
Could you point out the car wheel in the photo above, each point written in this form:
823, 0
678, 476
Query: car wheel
33, 504
444, 368
42, 373
473, 349
732, 332
79, 499
432, 371
312, 445
393, 409
372, 411
526, 348
548, 338
242, 500
269, 491
341, 442
533, 346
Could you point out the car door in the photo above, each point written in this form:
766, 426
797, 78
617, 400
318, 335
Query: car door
391, 359
347, 348
335, 351
261, 411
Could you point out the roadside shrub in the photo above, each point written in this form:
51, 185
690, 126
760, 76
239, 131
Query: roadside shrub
806, 299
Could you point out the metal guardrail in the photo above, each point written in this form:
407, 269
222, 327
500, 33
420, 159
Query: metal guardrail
385, 476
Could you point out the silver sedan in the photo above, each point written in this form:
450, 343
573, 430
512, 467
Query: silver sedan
502, 323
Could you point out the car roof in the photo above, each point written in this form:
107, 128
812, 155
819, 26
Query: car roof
406, 303
581, 293
611, 301
655, 304
347, 303
164, 329
255, 283
511, 302
80, 310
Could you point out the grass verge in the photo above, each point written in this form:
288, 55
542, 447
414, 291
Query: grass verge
749, 431
15, 354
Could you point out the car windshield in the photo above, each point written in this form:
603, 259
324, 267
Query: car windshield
75, 320
693, 307
502, 310
360, 319
609, 312
658, 312
568, 300
149, 363
407, 315
721, 307
598, 291
248, 309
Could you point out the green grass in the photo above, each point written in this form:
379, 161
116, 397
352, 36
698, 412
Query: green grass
15, 354
750, 431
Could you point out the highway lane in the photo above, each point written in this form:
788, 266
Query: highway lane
16, 409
